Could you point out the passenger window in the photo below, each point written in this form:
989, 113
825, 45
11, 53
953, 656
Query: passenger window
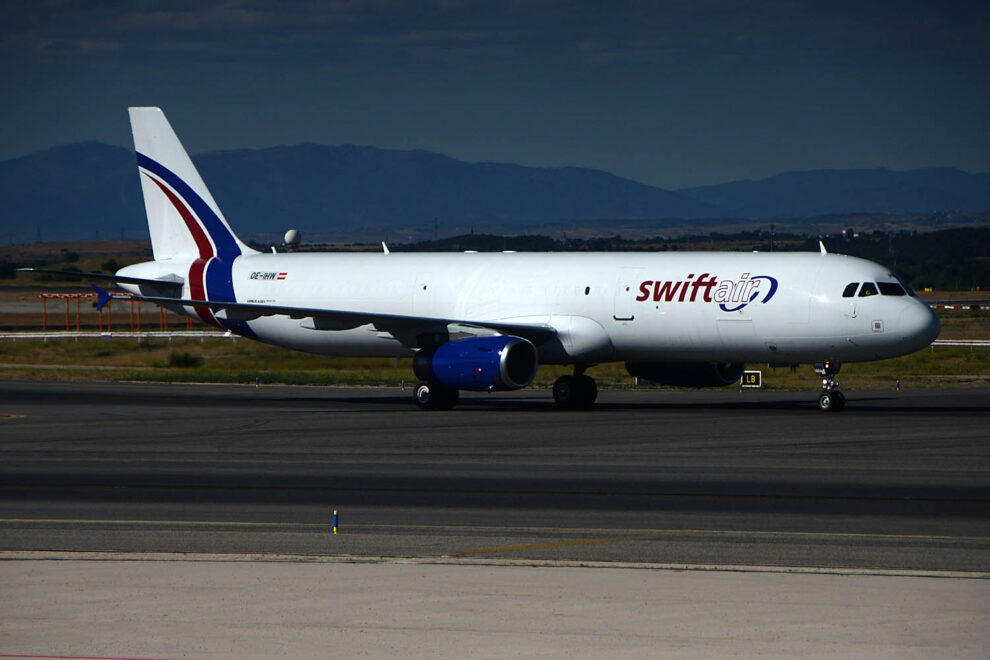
869, 289
891, 289
850, 290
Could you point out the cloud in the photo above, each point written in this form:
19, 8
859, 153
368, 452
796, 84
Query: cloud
694, 87
505, 34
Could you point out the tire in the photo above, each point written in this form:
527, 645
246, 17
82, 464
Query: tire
563, 391
831, 401
451, 396
424, 396
586, 390
435, 396
575, 392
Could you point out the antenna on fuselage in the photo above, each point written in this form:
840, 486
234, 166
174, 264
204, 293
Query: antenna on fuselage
821, 246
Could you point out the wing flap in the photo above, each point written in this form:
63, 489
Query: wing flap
399, 325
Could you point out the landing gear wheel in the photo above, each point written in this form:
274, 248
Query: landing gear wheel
563, 391
831, 401
587, 390
575, 392
435, 396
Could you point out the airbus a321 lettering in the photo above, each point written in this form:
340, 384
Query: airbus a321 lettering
485, 322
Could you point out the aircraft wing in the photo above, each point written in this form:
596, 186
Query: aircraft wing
336, 319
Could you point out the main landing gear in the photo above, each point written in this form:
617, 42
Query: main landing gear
831, 399
436, 396
577, 392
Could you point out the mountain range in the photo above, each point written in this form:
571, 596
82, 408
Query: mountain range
90, 190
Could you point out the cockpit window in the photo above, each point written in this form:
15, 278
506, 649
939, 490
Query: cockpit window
891, 289
903, 284
868, 289
850, 290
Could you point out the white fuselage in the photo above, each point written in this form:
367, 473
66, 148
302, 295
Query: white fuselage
638, 306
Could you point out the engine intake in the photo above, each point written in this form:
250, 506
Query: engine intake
479, 363
688, 374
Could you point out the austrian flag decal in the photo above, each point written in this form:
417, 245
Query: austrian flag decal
259, 275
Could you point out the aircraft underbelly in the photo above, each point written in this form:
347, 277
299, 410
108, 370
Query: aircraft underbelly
364, 341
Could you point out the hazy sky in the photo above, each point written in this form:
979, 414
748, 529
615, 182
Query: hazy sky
668, 93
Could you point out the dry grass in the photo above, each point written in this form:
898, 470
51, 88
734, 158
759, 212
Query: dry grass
243, 361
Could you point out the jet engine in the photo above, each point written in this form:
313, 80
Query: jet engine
688, 374
479, 363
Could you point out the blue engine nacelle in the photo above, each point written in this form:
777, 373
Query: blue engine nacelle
479, 363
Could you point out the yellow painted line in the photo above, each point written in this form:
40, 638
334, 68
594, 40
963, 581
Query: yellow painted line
719, 532
157, 523
563, 544
615, 533
10, 416
661, 532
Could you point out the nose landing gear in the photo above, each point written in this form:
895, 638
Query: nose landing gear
830, 399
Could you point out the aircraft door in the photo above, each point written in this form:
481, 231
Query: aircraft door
626, 289
849, 295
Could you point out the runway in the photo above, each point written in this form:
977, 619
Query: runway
898, 481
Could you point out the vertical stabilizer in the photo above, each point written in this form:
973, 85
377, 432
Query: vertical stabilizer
183, 218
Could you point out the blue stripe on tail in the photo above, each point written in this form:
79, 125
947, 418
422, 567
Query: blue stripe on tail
226, 245
219, 276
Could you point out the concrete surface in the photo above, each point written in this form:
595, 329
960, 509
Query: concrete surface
247, 607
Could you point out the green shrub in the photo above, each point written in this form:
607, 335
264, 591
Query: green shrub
184, 360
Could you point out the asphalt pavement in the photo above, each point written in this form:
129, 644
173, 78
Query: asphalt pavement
897, 481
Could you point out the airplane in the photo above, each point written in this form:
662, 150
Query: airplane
486, 321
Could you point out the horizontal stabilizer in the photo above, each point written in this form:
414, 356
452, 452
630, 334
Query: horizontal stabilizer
102, 297
172, 280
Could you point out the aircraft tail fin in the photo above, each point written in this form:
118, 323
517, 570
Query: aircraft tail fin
183, 218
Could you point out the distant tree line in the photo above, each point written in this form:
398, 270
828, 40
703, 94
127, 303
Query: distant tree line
949, 259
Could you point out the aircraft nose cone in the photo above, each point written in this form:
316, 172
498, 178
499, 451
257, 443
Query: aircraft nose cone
919, 323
